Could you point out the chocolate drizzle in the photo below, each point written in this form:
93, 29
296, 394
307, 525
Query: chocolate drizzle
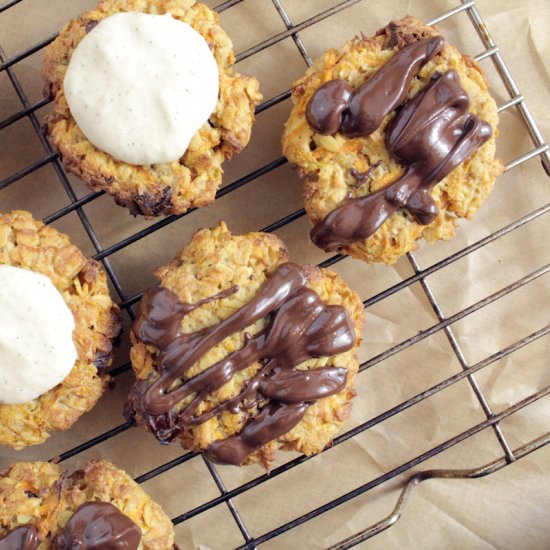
363, 177
431, 134
335, 106
99, 526
326, 107
24, 537
300, 327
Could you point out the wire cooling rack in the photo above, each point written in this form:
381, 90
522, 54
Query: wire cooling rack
540, 149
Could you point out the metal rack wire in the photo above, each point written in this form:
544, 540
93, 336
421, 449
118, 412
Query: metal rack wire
443, 324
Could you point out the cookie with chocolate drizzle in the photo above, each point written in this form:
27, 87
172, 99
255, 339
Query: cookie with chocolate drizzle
239, 351
394, 137
99, 506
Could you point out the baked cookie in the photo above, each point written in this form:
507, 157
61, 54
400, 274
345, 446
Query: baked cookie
385, 155
240, 352
152, 189
29, 249
99, 505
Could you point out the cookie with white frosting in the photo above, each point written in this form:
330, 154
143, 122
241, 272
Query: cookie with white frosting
147, 106
98, 506
58, 322
240, 352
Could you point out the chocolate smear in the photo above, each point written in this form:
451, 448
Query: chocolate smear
363, 177
99, 526
326, 108
24, 537
335, 106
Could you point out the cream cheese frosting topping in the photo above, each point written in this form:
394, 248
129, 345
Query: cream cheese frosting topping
37, 351
140, 86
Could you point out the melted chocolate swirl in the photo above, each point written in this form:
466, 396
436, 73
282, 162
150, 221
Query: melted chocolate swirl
335, 106
99, 526
300, 327
94, 526
24, 537
431, 134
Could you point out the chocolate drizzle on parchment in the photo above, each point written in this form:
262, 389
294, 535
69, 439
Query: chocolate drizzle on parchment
300, 327
430, 135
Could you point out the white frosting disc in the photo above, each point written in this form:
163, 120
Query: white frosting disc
140, 86
37, 351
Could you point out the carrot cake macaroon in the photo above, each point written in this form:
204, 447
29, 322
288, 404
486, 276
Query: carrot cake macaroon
99, 506
394, 138
58, 322
240, 352
146, 104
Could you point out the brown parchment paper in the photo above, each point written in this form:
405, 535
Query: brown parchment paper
507, 510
